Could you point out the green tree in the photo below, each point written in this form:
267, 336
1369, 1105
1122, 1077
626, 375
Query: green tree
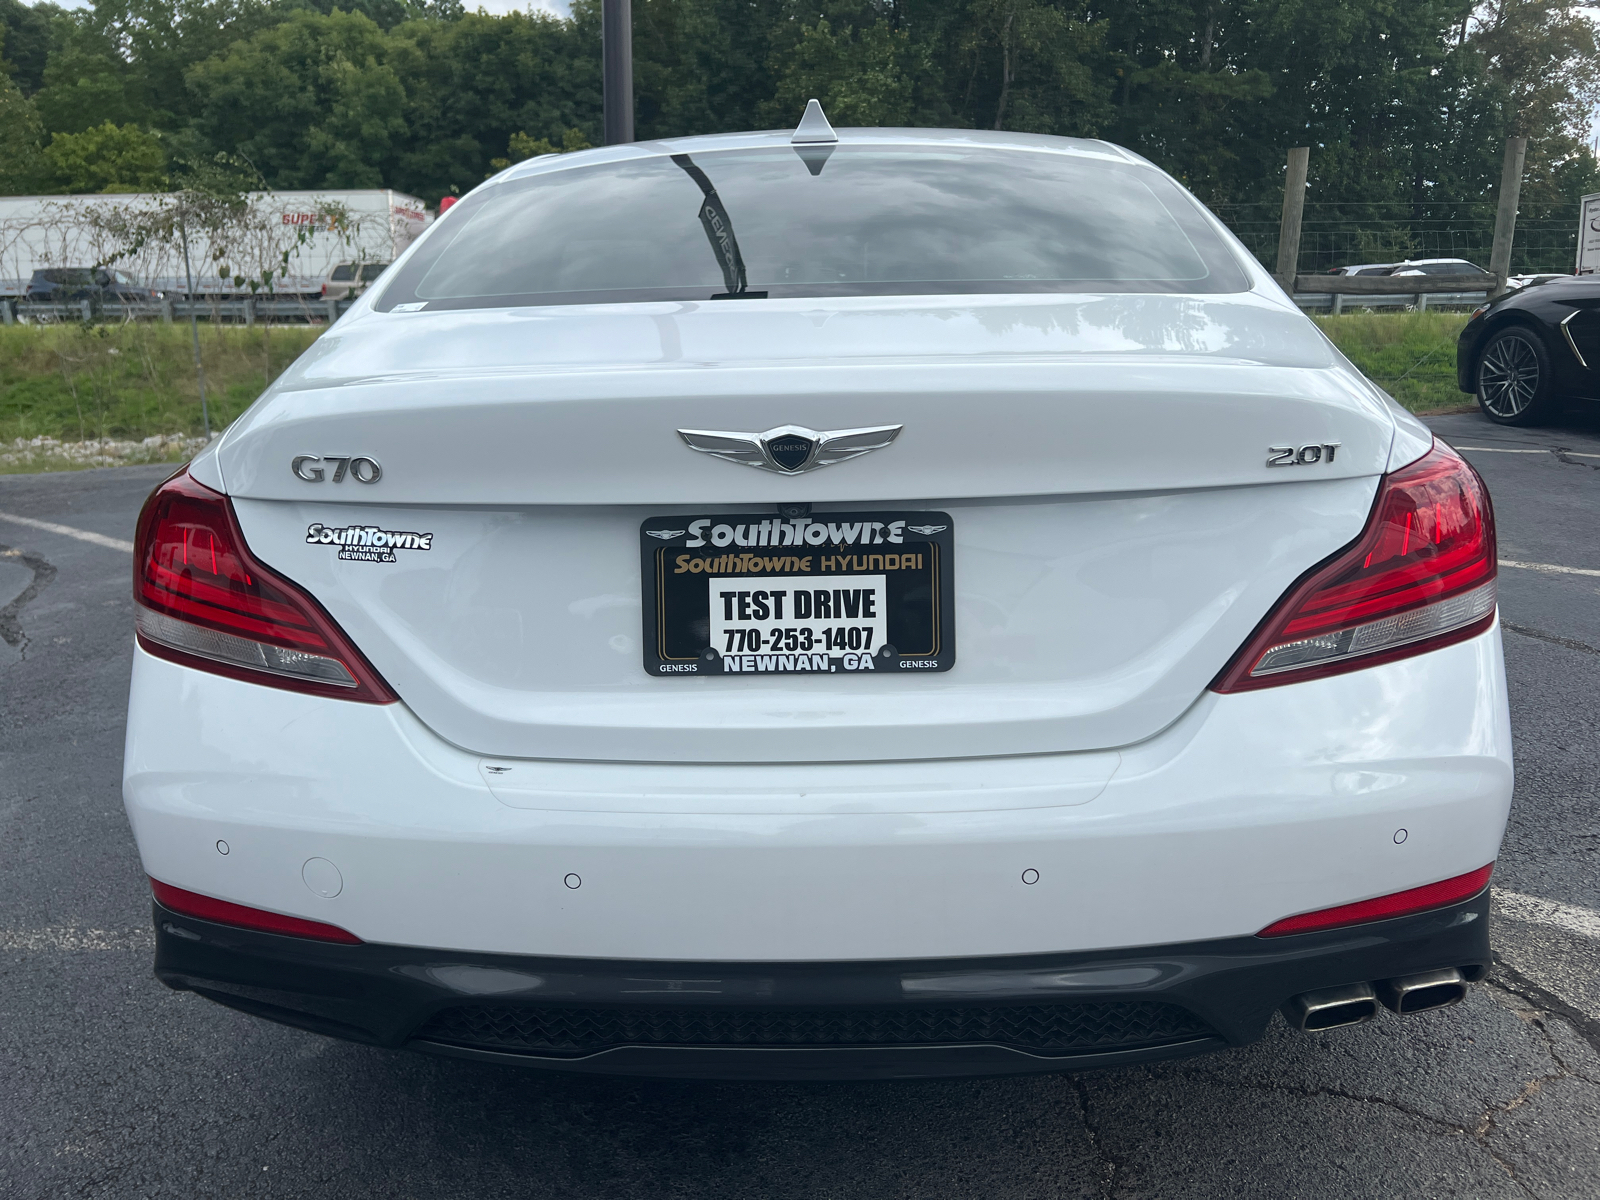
864, 77
86, 82
21, 164
522, 147
313, 102
107, 158
28, 40
475, 82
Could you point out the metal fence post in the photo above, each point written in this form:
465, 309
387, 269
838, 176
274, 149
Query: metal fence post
166, 310
87, 308
249, 312
1505, 217
8, 310
333, 311
1294, 202
616, 77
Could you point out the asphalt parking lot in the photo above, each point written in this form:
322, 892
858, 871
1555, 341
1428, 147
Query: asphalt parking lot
113, 1086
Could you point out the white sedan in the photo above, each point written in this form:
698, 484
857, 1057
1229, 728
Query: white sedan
862, 604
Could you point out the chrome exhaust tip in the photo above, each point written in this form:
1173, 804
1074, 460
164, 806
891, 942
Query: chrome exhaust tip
1332, 1008
1424, 992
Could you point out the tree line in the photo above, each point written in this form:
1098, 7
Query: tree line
1405, 102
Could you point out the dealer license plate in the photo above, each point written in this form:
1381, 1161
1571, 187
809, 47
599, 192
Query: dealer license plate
760, 594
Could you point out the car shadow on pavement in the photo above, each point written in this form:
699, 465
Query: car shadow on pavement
1440, 1103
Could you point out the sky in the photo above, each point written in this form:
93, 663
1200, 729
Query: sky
561, 8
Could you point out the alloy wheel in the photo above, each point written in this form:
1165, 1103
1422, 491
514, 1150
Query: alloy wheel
1509, 376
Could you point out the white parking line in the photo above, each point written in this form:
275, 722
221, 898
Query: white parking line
1568, 918
1511, 450
83, 535
1549, 568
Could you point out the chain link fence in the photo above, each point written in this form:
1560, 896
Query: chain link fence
1339, 235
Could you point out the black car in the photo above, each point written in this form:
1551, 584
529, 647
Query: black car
1526, 353
60, 285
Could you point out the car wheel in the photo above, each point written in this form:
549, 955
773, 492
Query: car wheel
1514, 378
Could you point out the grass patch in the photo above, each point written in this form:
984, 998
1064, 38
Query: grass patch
74, 383
1410, 355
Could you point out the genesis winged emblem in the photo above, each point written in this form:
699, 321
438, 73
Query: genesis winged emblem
666, 535
790, 449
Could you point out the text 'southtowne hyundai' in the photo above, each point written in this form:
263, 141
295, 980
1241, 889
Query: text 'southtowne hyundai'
861, 604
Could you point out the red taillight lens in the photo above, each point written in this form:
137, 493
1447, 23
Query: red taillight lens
224, 912
205, 602
1420, 576
1398, 904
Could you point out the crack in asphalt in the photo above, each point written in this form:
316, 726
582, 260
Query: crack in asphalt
1479, 1135
10, 616
1111, 1166
1532, 1003
1553, 639
1564, 455
1508, 979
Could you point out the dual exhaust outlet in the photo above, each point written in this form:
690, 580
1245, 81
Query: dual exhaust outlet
1354, 1003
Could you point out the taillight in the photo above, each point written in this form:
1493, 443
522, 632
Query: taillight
1420, 576
225, 912
205, 602
1381, 908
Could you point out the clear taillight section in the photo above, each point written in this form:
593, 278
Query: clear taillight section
205, 602
1422, 575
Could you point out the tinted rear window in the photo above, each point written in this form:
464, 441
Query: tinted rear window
821, 221
343, 273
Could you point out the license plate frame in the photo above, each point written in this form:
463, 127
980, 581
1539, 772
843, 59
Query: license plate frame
890, 572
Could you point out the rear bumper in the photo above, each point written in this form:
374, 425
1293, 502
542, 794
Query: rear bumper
812, 1020
1251, 808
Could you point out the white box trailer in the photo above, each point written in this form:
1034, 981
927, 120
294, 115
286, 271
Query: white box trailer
316, 229
1589, 235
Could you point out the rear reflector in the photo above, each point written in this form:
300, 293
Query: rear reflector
204, 908
1398, 904
1420, 576
206, 602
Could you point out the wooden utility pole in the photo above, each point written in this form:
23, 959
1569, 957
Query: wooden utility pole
1294, 202
616, 55
1505, 217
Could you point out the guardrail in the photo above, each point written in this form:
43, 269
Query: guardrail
1388, 291
244, 310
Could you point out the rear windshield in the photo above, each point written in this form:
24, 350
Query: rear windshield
818, 221
371, 271
343, 273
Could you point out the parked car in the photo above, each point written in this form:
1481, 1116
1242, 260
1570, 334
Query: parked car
58, 285
872, 603
1529, 352
350, 279
1522, 281
1415, 266
1438, 266
1364, 269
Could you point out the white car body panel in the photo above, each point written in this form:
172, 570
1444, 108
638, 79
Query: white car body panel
1251, 808
1082, 623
